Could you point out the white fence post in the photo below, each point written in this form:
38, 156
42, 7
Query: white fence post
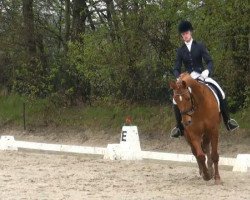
8, 143
242, 163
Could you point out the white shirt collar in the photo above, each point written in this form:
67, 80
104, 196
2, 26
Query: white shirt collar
189, 44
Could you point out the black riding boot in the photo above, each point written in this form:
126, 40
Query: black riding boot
231, 124
179, 129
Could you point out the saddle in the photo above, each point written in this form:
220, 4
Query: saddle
215, 91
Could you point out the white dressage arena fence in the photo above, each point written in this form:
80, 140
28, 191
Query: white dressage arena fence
9, 143
128, 149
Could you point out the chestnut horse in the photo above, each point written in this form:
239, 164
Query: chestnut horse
201, 119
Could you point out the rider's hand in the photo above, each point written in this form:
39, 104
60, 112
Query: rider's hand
195, 75
205, 73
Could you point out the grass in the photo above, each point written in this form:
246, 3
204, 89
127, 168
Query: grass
40, 113
110, 117
10, 109
243, 117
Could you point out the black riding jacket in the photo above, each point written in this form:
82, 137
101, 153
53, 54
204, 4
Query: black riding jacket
192, 60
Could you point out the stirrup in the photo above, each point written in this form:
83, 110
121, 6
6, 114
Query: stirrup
175, 133
232, 125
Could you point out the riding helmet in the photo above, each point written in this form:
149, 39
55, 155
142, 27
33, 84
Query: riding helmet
185, 26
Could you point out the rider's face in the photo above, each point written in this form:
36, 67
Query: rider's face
186, 36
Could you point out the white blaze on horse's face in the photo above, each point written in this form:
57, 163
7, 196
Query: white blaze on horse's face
184, 101
190, 89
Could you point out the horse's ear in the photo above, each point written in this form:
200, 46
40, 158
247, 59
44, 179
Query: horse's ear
184, 84
172, 85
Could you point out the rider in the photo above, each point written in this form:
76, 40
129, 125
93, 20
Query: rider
191, 54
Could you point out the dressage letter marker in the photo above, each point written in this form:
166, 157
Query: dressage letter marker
129, 147
123, 138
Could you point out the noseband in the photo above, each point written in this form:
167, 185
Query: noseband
189, 111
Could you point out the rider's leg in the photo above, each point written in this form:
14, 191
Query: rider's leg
179, 129
231, 124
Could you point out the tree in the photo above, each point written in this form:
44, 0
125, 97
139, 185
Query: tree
74, 49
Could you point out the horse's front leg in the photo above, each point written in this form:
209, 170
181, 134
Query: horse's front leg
201, 158
195, 143
194, 152
198, 161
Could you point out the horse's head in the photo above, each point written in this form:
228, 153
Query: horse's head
184, 100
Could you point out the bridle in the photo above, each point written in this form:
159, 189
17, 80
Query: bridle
191, 110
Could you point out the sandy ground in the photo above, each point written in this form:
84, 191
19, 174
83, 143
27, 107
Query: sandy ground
44, 175
27, 175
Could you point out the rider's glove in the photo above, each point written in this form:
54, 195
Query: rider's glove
205, 73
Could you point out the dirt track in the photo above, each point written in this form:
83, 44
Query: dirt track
36, 175
27, 175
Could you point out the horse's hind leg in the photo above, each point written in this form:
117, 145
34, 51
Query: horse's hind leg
206, 149
215, 156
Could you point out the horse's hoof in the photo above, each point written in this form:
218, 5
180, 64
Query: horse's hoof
218, 182
211, 172
206, 178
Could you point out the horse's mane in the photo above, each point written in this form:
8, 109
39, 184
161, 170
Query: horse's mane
197, 87
187, 78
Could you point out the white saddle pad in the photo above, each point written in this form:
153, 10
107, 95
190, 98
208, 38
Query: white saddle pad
216, 96
196, 75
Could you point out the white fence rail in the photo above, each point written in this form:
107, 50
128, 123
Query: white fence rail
60, 148
182, 157
240, 164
